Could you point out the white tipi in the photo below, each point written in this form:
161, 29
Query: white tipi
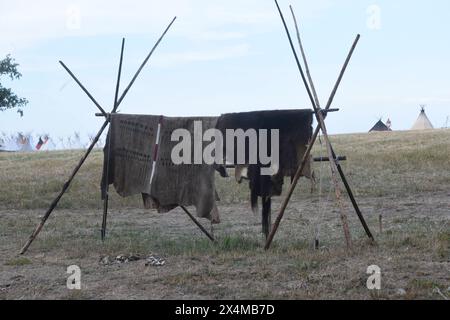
422, 122
24, 143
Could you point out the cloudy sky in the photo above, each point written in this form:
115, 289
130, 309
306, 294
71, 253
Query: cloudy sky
223, 56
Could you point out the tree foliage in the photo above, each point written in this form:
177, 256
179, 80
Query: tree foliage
8, 99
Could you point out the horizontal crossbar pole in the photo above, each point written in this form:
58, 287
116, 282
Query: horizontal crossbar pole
98, 114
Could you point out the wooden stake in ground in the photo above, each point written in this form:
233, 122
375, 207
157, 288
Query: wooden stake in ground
83, 159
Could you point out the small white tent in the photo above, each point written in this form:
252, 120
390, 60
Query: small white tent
24, 143
422, 122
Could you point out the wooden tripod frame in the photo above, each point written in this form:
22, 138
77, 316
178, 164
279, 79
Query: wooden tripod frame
334, 164
117, 102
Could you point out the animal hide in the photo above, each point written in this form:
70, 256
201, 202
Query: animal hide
295, 131
138, 164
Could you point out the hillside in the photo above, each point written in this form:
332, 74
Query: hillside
379, 164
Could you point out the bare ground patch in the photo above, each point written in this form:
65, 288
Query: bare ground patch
412, 251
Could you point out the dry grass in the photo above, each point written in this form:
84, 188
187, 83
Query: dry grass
404, 176
379, 164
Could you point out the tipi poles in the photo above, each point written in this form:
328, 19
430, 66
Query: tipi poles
143, 64
321, 123
338, 166
108, 148
63, 190
302, 51
316, 132
66, 185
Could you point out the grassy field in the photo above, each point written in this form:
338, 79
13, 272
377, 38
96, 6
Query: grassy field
403, 176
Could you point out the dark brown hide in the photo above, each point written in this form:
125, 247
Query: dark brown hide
295, 131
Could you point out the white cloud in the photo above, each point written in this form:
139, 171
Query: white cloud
24, 23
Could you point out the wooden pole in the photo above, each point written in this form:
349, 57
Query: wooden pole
131, 82
313, 138
63, 190
84, 89
198, 224
291, 190
108, 150
143, 64
308, 73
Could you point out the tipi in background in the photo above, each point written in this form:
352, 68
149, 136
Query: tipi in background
389, 124
422, 122
24, 143
380, 126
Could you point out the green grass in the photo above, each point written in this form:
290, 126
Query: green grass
22, 261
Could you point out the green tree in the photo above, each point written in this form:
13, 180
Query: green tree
8, 99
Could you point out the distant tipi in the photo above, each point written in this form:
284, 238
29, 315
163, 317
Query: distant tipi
389, 123
422, 122
380, 126
24, 143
